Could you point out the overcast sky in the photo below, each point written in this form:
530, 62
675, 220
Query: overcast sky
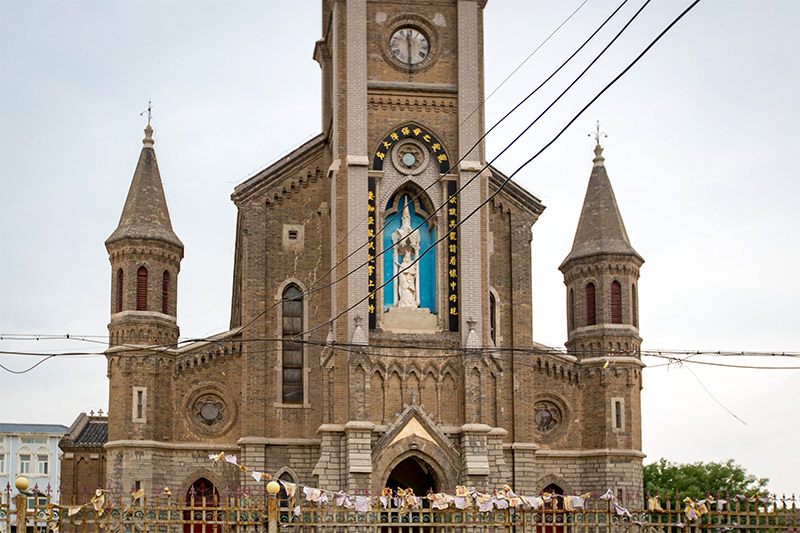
702, 149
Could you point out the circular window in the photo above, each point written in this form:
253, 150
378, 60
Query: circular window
210, 411
410, 157
550, 416
546, 416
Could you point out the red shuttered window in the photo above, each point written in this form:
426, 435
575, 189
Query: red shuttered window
165, 293
141, 289
120, 279
591, 312
616, 303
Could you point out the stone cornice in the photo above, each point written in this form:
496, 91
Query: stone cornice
616, 360
603, 452
264, 441
170, 445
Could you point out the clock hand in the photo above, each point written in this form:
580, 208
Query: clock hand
408, 41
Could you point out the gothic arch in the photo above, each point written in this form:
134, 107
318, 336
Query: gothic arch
196, 475
553, 479
444, 468
415, 131
287, 470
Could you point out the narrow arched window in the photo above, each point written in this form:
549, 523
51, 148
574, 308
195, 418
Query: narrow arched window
571, 309
292, 314
120, 279
634, 313
493, 318
283, 495
591, 313
141, 289
165, 293
616, 303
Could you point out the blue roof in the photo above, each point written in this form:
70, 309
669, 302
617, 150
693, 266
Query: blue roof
50, 429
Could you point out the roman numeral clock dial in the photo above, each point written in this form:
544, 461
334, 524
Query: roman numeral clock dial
409, 46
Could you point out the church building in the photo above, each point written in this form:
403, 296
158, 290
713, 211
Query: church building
381, 326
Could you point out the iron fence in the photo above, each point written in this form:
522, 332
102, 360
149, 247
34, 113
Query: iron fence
243, 512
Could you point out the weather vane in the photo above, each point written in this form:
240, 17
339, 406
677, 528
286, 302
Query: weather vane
597, 133
149, 111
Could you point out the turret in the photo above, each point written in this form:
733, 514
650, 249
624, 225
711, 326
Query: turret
601, 273
145, 256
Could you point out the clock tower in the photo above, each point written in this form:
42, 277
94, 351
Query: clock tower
402, 93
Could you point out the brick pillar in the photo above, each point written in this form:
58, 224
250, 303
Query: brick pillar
328, 468
358, 436
254, 455
474, 455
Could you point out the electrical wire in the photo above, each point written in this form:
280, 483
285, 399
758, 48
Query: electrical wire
311, 289
508, 178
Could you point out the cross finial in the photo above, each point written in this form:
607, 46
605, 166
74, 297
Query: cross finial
597, 133
149, 112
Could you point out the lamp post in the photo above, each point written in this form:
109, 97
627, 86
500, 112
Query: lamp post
272, 506
22, 485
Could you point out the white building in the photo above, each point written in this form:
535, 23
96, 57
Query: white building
30, 450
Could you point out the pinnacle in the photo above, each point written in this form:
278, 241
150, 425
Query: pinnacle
145, 215
600, 228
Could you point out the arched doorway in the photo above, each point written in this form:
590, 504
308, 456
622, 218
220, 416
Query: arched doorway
412, 472
201, 494
554, 510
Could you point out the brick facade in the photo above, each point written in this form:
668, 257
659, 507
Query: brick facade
483, 405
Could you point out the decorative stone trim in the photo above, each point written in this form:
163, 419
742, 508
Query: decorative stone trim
209, 410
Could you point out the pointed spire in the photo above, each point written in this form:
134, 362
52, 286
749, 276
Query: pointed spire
145, 215
600, 228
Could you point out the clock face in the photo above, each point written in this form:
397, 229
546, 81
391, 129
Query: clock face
409, 46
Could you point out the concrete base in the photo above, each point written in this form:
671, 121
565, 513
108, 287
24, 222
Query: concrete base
409, 320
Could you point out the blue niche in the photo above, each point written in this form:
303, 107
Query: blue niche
427, 265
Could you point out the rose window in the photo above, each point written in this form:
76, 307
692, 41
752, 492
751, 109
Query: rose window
209, 410
546, 416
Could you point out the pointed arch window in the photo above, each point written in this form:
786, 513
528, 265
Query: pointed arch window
571, 309
493, 318
634, 314
616, 303
283, 496
292, 326
120, 279
591, 311
141, 289
165, 292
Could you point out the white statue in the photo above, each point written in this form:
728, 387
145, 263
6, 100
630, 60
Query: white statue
407, 283
406, 241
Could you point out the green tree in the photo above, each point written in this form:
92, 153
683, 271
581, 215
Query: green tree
699, 479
